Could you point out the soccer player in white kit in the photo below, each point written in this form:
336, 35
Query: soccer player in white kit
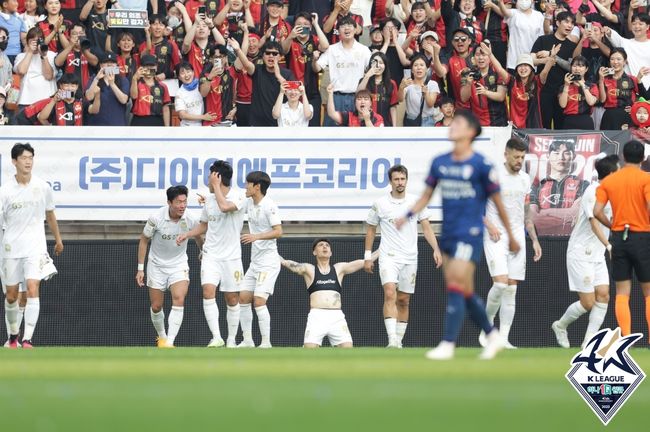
265, 226
585, 261
167, 267
507, 269
398, 251
25, 201
221, 267
324, 286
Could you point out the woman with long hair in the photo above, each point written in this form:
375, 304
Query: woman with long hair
383, 89
578, 97
525, 89
617, 91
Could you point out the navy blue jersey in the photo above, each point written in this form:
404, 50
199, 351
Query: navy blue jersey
465, 186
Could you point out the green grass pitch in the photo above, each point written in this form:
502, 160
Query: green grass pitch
286, 389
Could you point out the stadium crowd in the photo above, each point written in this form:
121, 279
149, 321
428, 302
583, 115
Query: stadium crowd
345, 62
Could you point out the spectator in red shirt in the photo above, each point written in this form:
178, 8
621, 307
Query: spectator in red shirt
64, 108
274, 28
362, 115
128, 59
77, 57
150, 97
421, 20
525, 90
485, 88
617, 91
229, 18
383, 90
218, 87
450, 67
577, 97
341, 9
55, 27
461, 15
197, 41
251, 46
300, 48
163, 49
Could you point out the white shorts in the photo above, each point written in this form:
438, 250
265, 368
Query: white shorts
584, 276
501, 261
227, 275
260, 280
327, 322
161, 278
403, 275
18, 270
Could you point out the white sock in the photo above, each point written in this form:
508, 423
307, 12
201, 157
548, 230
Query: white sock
507, 311
573, 312
211, 312
401, 330
264, 321
32, 310
596, 318
158, 320
391, 328
232, 317
175, 321
494, 300
246, 321
11, 317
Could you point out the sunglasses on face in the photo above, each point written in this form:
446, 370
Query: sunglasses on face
460, 39
271, 53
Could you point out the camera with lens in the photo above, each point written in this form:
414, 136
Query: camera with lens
576, 77
84, 44
42, 46
473, 72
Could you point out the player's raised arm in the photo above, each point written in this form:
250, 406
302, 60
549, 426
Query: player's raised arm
224, 205
346, 268
295, 267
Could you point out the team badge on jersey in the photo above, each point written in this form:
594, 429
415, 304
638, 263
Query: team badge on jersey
604, 373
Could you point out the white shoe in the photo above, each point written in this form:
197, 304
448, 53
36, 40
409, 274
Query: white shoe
7, 344
265, 345
509, 346
216, 343
444, 351
561, 335
393, 343
399, 345
246, 344
230, 343
482, 339
495, 343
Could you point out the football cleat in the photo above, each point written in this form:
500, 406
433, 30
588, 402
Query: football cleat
444, 351
266, 345
561, 335
27, 344
216, 343
246, 344
495, 343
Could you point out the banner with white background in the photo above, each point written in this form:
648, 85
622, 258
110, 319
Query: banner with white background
318, 174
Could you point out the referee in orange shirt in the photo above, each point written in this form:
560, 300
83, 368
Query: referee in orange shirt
628, 191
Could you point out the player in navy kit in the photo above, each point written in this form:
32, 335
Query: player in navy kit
324, 287
467, 180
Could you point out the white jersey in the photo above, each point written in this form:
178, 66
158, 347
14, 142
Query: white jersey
400, 245
223, 239
23, 211
583, 243
163, 231
262, 218
514, 191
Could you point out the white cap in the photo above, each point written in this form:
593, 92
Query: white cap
428, 33
526, 59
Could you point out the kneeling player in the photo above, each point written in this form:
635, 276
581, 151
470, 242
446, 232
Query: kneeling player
585, 261
167, 267
324, 288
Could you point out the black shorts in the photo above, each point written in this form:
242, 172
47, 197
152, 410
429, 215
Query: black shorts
632, 254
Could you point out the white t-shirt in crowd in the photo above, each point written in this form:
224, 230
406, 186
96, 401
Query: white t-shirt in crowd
583, 243
190, 101
162, 231
400, 245
524, 31
514, 188
346, 66
638, 55
223, 239
293, 117
262, 218
34, 87
23, 212
413, 98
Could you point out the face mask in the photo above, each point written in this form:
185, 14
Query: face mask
3, 45
524, 4
173, 21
